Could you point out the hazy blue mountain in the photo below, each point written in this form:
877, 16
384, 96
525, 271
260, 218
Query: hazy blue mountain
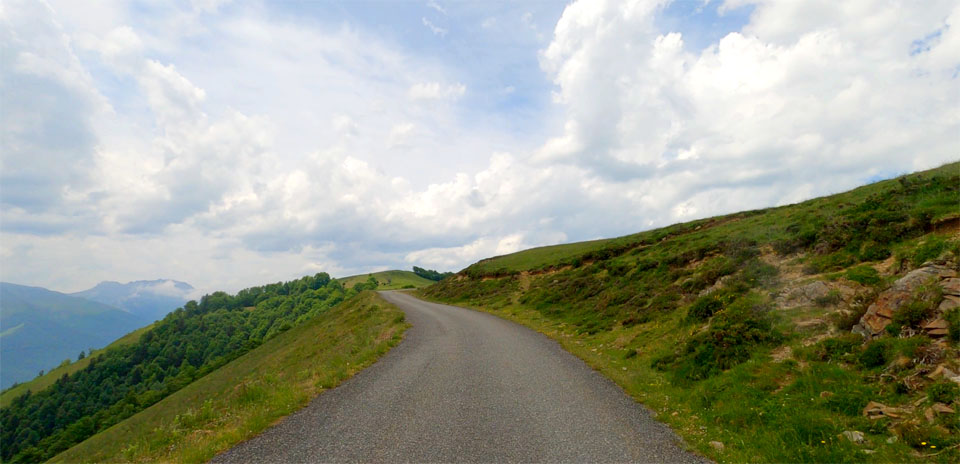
39, 328
149, 299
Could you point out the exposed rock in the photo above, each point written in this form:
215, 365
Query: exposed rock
951, 286
879, 313
804, 295
941, 371
892, 440
941, 408
875, 410
716, 445
947, 273
854, 436
929, 415
949, 302
936, 327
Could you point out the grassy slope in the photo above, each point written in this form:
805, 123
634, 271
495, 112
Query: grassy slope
621, 305
244, 397
49, 378
389, 280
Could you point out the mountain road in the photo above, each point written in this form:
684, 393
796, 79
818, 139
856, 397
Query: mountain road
466, 386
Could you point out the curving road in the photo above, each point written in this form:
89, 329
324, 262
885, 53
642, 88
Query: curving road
466, 386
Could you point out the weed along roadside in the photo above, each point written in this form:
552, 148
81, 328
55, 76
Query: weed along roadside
819, 332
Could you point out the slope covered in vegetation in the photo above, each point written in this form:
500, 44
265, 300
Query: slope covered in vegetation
247, 395
186, 345
385, 280
737, 329
66, 367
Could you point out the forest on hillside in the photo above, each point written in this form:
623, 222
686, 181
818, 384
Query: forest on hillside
186, 345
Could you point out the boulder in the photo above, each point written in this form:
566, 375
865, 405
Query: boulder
854, 436
951, 286
875, 410
949, 302
880, 313
804, 295
936, 328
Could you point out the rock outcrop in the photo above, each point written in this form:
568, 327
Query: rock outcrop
881, 312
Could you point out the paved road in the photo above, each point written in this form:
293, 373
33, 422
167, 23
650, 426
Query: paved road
466, 386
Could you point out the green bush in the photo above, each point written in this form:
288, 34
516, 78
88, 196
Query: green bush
828, 263
733, 335
913, 313
845, 320
831, 298
953, 324
873, 251
865, 275
703, 308
836, 347
929, 249
876, 354
757, 273
944, 391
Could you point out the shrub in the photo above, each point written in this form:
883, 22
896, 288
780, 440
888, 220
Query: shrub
757, 273
831, 298
943, 392
829, 263
865, 275
873, 251
730, 340
858, 307
929, 249
920, 307
953, 324
835, 348
703, 308
876, 354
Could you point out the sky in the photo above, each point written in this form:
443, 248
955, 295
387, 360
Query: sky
236, 143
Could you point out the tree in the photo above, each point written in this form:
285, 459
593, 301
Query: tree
431, 274
81, 355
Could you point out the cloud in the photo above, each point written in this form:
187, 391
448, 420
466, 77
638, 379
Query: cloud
436, 6
299, 147
47, 124
436, 91
794, 95
437, 30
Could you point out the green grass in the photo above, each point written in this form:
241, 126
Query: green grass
915, 201
247, 395
388, 280
47, 379
774, 384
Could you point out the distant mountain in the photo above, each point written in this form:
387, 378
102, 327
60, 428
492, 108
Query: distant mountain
149, 299
39, 328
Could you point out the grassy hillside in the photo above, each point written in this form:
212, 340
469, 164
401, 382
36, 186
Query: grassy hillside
736, 330
387, 280
185, 346
242, 398
49, 378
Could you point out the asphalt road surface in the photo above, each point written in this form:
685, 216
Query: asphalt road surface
466, 386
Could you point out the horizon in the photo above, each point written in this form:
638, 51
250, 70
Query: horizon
232, 144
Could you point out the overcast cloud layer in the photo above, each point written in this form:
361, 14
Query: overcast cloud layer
234, 144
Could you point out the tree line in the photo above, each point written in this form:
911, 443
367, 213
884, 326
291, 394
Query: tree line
186, 345
431, 274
